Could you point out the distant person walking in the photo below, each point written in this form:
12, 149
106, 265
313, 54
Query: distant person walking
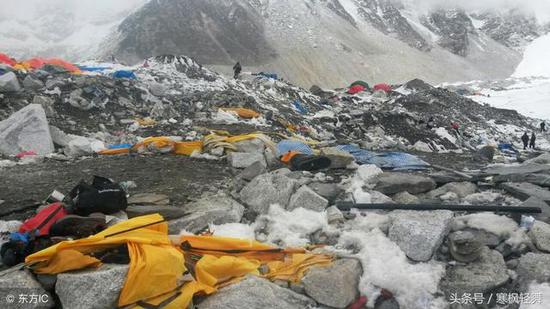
456, 127
543, 126
237, 70
525, 140
431, 123
532, 141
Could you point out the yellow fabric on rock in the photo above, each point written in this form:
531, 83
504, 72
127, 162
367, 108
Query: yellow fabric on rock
243, 112
67, 260
213, 271
293, 269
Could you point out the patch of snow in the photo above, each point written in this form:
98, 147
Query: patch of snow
443, 133
490, 222
538, 289
535, 59
233, 230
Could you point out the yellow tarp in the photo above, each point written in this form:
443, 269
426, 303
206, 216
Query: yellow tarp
157, 264
243, 112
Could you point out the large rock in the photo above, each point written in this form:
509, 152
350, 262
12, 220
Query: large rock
483, 275
338, 158
245, 159
542, 159
9, 83
330, 191
306, 198
540, 235
32, 83
465, 246
253, 171
335, 286
461, 189
537, 202
16, 281
526, 190
254, 145
254, 292
518, 169
392, 183
534, 266
419, 233
211, 209
405, 198
542, 180
268, 189
26, 130
93, 289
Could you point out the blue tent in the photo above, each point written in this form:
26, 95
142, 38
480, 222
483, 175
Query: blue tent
287, 145
124, 74
386, 160
92, 69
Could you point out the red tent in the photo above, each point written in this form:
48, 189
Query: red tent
382, 87
356, 89
64, 64
34, 63
5, 59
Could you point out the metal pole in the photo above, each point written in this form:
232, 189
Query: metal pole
468, 208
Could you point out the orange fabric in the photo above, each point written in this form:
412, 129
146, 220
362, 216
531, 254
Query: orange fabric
187, 148
34, 63
288, 156
243, 112
64, 64
112, 152
5, 59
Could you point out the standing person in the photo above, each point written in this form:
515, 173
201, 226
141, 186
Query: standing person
532, 141
525, 140
237, 70
456, 127
543, 126
431, 123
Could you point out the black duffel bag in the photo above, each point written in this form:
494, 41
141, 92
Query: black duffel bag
103, 196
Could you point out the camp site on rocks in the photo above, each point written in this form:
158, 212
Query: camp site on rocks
287, 154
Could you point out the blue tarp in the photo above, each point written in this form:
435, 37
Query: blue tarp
120, 146
292, 145
124, 74
300, 107
92, 69
386, 160
507, 148
268, 75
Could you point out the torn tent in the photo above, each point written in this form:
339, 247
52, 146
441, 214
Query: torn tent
5, 59
356, 89
161, 263
385, 160
124, 74
38, 63
382, 87
288, 145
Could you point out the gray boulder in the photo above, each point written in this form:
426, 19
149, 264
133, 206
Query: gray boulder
542, 159
464, 246
392, 183
17, 281
268, 189
330, 191
519, 169
254, 292
525, 190
308, 199
167, 212
534, 266
542, 180
93, 289
540, 235
419, 233
211, 209
245, 159
480, 276
46, 103
338, 158
335, 286
405, 198
27, 129
537, 202
76, 100
9, 83
32, 83
461, 189
254, 145
253, 171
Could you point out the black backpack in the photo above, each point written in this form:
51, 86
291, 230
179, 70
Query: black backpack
103, 196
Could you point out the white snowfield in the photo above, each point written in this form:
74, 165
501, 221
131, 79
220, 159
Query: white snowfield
536, 59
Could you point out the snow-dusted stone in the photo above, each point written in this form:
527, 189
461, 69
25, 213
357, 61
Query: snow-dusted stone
465, 246
95, 288
542, 159
268, 189
76, 100
26, 130
9, 83
307, 198
338, 158
419, 233
540, 235
335, 286
211, 209
422, 147
16, 281
537, 202
461, 189
254, 292
518, 169
534, 266
392, 183
482, 275
32, 83
526, 190
405, 198
245, 159
330, 191
254, 145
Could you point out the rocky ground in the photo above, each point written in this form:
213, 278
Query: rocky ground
397, 259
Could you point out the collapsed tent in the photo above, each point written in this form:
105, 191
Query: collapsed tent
161, 261
161, 144
124, 74
382, 87
356, 89
360, 83
387, 160
39, 63
5, 59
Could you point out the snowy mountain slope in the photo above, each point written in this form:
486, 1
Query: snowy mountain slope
324, 42
536, 59
60, 28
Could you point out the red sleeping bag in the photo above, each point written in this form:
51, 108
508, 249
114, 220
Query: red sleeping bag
42, 222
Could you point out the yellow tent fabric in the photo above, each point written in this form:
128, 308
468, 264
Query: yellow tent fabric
157, 264
243, 112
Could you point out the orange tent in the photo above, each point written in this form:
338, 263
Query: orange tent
37, 63
64, 64
34, 63
5, 59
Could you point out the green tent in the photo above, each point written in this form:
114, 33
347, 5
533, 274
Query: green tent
362, 83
